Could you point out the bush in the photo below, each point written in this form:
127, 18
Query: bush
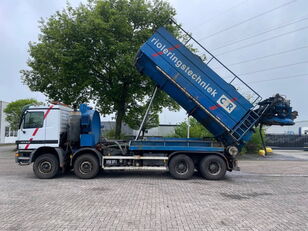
197, 130
255, 144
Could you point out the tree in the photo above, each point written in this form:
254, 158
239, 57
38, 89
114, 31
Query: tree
87, 53
196, 130
14, 109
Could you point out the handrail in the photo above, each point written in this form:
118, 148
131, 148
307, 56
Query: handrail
258, 98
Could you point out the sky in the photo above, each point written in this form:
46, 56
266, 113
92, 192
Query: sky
265, 42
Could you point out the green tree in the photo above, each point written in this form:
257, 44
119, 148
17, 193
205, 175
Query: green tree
87, 53
196, 130
14, 109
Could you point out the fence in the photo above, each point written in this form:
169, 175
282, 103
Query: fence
286, 140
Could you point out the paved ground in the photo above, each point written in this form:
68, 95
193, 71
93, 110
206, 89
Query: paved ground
265, 195
280, 155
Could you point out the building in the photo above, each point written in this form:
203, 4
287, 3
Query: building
7, 135
162, 130
108, 126
299, 128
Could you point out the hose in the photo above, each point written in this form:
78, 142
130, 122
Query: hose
262, 139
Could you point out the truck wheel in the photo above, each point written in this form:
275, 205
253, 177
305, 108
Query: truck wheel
212, 167
46, 166
86, 166
181, 167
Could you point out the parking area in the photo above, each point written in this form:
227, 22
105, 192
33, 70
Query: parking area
267, 194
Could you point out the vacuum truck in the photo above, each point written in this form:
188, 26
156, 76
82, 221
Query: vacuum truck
56, 137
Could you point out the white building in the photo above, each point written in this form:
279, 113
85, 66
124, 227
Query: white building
161, 131
7, 135
110, 125
299, 128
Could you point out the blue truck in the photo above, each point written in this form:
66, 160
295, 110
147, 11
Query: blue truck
56, 137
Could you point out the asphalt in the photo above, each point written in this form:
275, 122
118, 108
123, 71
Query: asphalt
267, 194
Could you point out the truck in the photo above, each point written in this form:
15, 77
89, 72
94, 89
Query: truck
57, 137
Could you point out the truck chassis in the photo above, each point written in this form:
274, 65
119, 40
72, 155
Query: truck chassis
181, 157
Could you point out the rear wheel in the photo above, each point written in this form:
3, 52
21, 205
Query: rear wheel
86, 166
181, 167
46, 166
212, 167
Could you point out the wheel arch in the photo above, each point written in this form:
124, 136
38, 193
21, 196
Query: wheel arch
197, 155
92, 151
58, 152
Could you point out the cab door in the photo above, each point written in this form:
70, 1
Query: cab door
31, 134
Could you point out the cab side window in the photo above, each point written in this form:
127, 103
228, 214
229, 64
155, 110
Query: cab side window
34, 120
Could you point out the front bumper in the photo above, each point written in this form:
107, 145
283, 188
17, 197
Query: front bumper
23, 158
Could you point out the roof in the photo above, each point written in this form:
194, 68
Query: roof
53, 106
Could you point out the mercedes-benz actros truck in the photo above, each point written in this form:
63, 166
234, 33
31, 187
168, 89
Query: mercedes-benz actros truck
57, 137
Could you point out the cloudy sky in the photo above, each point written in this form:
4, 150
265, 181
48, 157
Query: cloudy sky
265, 42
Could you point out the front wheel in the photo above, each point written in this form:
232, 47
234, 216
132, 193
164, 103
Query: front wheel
181, 167
46, 166
212, 167
86, 166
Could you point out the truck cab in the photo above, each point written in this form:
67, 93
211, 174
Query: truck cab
42, 130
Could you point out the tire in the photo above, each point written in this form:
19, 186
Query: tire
46, 166
181, 167
212, 167
86, 166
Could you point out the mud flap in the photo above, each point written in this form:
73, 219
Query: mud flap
235, 166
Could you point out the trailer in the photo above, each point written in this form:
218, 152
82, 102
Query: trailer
57, 137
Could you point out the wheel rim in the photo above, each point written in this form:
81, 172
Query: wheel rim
214, 168
181, 167
45, 166
85, 167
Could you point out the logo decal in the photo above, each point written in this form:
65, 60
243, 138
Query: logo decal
165, 50
183, 67
225, 103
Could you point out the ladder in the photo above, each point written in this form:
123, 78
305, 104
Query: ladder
250, 119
